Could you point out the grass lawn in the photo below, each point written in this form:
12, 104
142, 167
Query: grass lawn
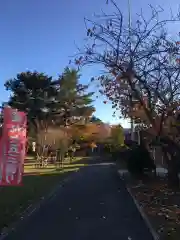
36, 184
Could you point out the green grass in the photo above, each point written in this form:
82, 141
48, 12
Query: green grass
36, 184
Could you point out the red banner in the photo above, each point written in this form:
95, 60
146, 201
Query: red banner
12, 148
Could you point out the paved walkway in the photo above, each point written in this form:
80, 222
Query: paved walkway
92, 205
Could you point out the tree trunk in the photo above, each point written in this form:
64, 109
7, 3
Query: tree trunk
173, 171
172, 156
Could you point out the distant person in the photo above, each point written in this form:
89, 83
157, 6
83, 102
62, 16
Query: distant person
93, 147
34, 146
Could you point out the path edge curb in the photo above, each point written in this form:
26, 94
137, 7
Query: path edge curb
142, 213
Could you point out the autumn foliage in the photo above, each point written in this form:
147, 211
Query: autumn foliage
141, 77
91, 132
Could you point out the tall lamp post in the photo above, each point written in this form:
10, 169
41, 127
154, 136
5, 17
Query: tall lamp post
131, 98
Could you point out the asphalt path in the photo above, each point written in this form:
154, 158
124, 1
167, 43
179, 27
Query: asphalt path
93, 204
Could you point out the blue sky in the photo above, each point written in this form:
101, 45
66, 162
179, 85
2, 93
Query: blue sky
40, 35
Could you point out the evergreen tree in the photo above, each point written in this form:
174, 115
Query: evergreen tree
48, 102
31, 93
73, 103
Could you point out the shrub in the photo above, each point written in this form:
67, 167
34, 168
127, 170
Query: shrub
140, 161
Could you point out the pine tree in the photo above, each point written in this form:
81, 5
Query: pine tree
72, 102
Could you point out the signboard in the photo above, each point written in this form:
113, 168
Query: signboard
12, 147
33, 146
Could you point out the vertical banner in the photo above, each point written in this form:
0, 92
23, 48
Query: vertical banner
12, 147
